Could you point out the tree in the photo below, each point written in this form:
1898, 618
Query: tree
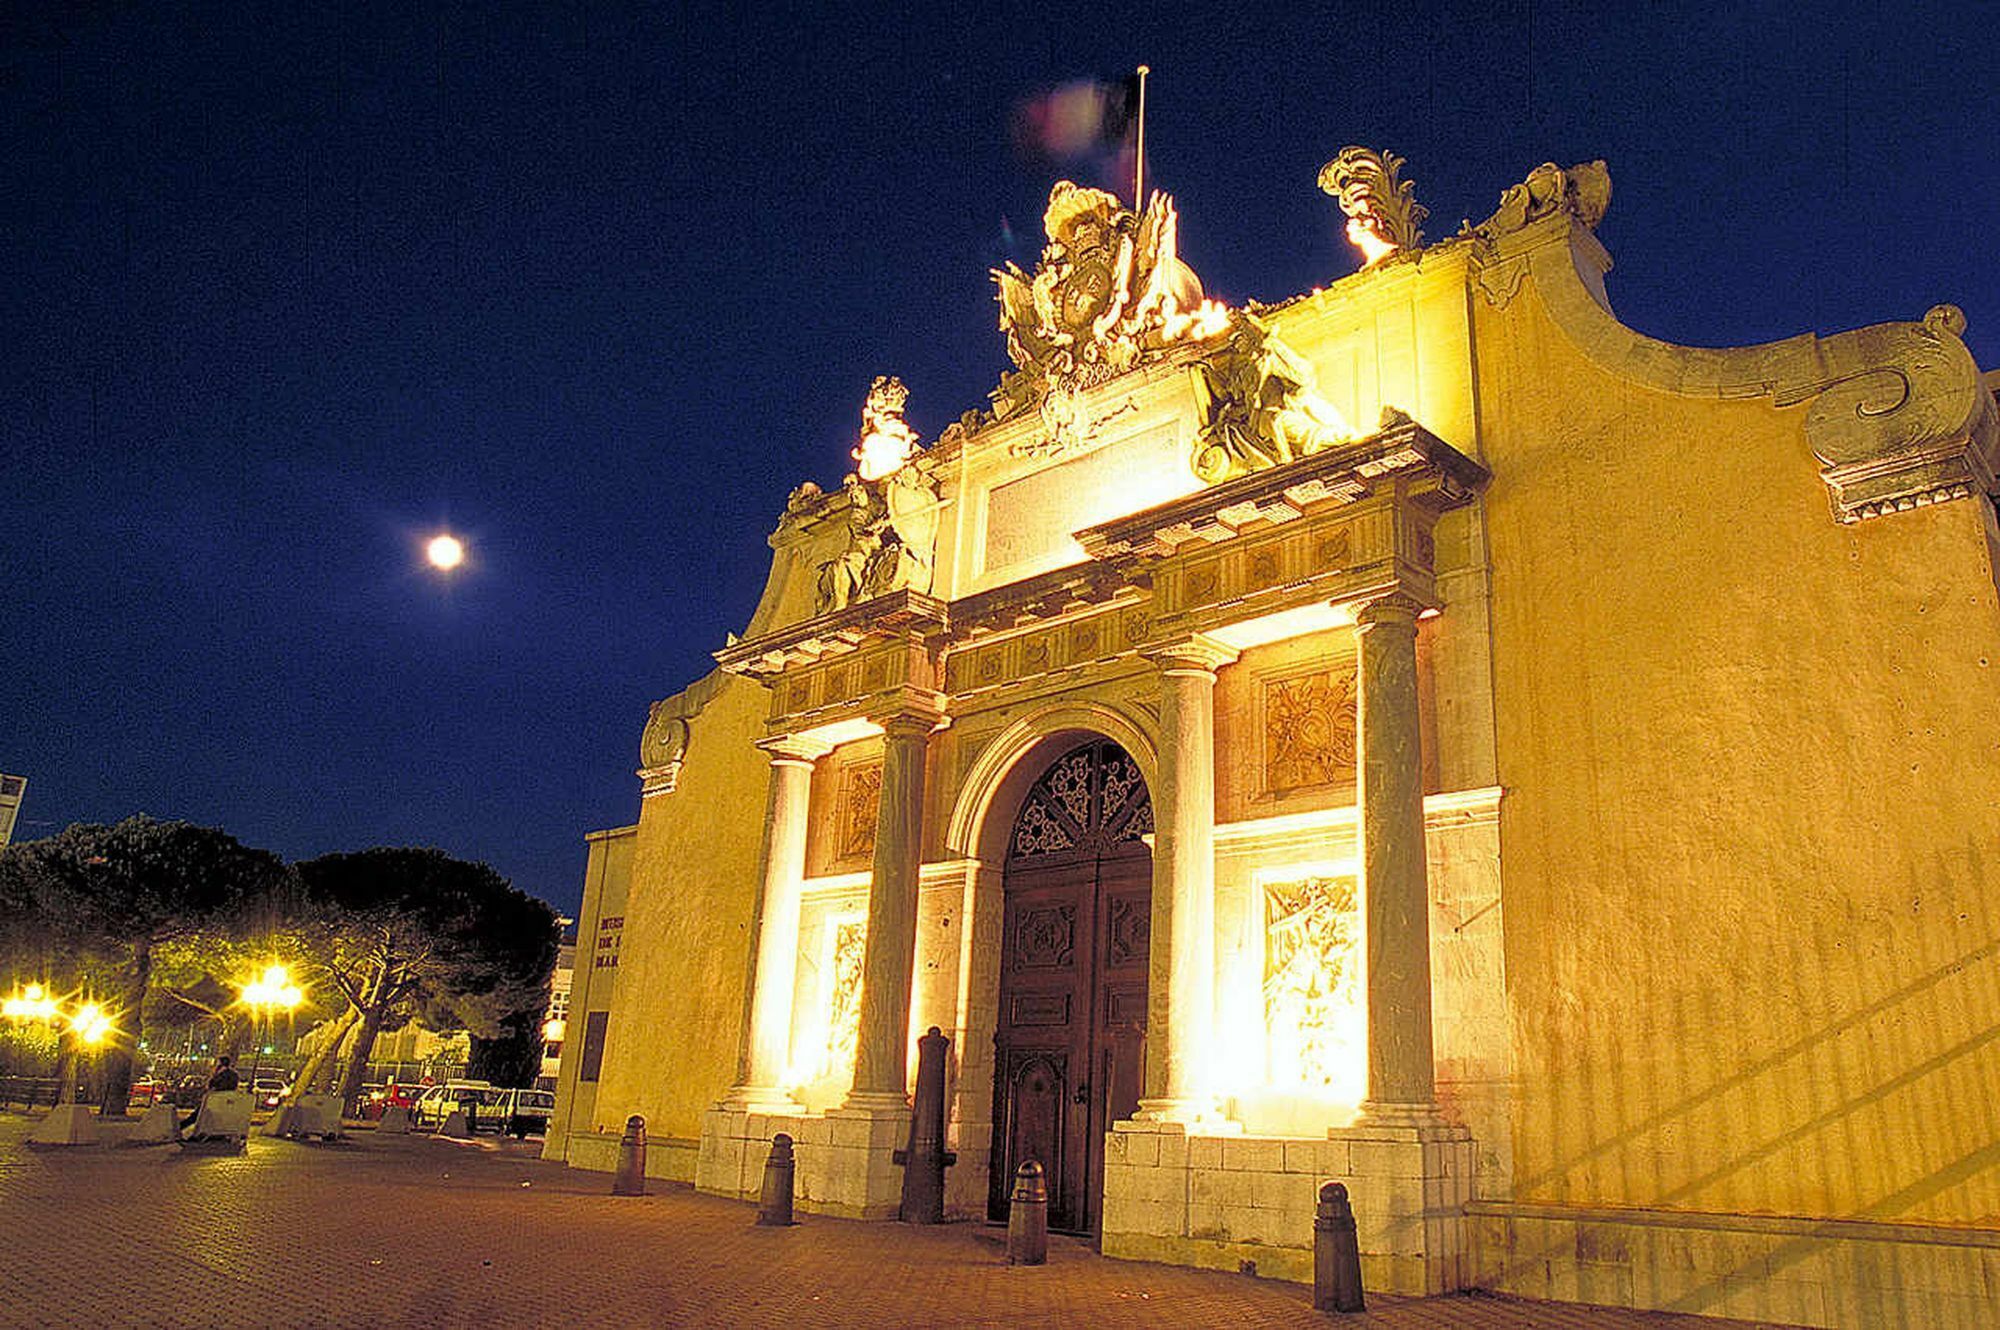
402, 933
109, 898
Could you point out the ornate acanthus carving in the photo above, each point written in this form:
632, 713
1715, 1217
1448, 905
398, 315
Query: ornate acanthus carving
1258, 406
1383, 215
887, 441
1109, 290
1583, 191
891, 539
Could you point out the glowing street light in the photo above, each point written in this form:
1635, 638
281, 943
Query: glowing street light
273, 990
269, 993
31, 1004
89, 1024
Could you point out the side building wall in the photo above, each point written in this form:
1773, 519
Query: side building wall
1752, 857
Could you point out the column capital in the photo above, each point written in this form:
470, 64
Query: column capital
794, 749
1394, 607
1197, 653
908, 720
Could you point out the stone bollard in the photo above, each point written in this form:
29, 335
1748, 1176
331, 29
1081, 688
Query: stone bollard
774, 1207
630, 1180
925, 1159
1028, 1217
395, 1118
1336, 1253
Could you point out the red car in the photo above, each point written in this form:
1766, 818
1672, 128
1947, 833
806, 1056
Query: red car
377, 1098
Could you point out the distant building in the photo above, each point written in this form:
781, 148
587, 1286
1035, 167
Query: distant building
556, 1022
13, 791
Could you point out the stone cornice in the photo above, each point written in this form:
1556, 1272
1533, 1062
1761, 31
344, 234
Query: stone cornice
1403, 454
1896, 413
897, 616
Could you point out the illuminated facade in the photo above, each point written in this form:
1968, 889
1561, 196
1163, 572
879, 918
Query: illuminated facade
1422, 733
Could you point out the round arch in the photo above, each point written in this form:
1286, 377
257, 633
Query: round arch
1003, 770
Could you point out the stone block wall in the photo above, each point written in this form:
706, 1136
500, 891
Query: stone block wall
843, 1160
1223, 1200
1833, 1273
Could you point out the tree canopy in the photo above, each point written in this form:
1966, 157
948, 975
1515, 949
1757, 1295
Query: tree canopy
101, 901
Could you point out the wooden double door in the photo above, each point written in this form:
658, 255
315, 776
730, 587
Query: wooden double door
1070, 1038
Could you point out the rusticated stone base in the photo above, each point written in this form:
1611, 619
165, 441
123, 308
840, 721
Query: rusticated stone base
1220, 1201
844, 1158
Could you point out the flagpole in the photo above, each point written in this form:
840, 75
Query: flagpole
1139, 163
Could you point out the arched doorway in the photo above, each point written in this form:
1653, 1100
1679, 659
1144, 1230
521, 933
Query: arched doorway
1069, 1038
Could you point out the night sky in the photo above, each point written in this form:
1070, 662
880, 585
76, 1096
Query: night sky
285, 289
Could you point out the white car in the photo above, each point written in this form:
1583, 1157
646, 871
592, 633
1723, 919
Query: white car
481, 1101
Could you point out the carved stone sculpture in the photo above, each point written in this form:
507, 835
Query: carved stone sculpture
1383, 214
890, 530
1583, 191
1109, 290
1258, 406
887, 441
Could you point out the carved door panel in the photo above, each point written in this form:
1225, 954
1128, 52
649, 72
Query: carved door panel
1042, 1040
1069, 1041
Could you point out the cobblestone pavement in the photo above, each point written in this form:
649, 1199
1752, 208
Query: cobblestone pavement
420, 1232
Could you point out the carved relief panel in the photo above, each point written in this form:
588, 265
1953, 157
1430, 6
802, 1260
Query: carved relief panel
860, 803
1308, 730
1313, 1017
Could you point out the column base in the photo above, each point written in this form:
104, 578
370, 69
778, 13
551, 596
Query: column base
767, 1099
1389, 1113
874, 1101
1197, 1115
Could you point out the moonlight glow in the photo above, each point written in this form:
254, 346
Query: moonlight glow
445, 552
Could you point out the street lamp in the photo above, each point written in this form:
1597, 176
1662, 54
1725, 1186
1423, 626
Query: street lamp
269, 993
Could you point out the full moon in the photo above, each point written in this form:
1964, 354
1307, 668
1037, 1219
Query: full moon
445, 552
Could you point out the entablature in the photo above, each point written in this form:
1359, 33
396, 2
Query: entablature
1339, 526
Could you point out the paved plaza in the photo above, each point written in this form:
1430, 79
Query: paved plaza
419, 1232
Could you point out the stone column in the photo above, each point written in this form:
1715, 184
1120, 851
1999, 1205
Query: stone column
881, 1049
1395, 880
769, 1044
1181, 980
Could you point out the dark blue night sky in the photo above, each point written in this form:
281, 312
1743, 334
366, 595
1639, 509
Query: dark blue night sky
284, 289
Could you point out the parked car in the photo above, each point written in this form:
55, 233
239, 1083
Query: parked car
145, 1091
481, 1101
377, 1098
527, 1112
267, 1091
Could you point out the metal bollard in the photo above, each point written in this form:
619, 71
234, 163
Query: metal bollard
631, 1176
925, 1159
1028, 1217
1336, 1253
774, 1207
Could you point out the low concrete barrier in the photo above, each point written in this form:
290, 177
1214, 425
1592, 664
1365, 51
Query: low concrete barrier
160, 1126
225, 1114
